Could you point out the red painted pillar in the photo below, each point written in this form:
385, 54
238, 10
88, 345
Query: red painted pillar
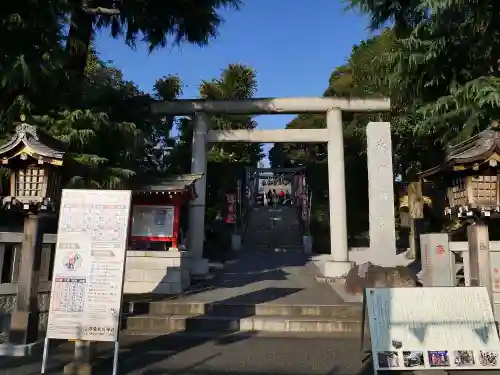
177, 213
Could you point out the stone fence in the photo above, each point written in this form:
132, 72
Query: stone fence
10, 257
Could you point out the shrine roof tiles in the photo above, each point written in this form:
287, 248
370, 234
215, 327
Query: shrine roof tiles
474, 150
172, 184
37, 141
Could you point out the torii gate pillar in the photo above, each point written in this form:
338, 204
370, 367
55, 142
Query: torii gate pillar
196, 226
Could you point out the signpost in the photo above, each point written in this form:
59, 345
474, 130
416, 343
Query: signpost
88, 267
436, 328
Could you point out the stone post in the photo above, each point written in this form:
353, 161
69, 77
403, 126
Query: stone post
479, 256
339, 266
381, 193
24, 320
196, 224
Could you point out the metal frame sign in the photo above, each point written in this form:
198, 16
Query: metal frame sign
153, 222
435, 328
89, 265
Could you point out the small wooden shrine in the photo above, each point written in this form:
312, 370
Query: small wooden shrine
156, 210
34, 159
471, 170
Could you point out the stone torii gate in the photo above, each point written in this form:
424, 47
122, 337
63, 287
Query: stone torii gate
332, 135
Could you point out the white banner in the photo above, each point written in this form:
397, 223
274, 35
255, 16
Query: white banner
89, 265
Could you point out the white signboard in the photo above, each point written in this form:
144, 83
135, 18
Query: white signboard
152, 221
435, 328
89, 265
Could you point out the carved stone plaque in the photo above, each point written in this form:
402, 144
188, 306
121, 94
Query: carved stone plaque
381, 191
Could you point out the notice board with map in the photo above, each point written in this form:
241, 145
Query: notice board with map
435, 328
89, 265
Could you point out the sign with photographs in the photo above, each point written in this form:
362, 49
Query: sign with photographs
89, 265
445, 328
152, 222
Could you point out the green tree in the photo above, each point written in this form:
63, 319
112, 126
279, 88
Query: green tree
30, 54
360, 77
64, 88
445, 69
226, 161
110, 143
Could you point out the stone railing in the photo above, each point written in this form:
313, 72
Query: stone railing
10, 256
460, 261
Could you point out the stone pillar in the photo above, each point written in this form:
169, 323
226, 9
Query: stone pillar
381, 194
196, 224
24, 319
339, 265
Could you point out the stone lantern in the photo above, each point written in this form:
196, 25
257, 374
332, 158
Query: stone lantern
471, 173
34, 160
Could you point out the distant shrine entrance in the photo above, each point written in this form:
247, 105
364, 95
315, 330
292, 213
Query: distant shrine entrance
382, 180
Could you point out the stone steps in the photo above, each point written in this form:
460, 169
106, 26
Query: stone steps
161, 324
226, 309
165, 317
263, 235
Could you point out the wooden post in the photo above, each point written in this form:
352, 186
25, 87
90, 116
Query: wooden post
479, 255
416, 210
24, 321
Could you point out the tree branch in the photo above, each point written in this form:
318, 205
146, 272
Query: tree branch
101, 11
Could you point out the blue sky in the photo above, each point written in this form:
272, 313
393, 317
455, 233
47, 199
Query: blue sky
294, 45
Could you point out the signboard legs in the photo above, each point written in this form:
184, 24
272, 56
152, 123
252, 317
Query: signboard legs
82, 356
115, 358
45, 354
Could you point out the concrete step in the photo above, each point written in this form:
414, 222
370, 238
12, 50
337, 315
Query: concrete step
272, 243
181, 323
272, 249
344, 311
258, 242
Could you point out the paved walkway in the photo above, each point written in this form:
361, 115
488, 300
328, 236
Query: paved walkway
266, 277
245, 354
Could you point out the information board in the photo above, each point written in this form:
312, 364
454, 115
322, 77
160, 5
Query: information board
152, 222
89, 265
447, 328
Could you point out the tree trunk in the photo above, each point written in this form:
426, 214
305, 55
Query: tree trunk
78, 43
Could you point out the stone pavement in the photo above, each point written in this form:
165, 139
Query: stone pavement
265, 277
245, 354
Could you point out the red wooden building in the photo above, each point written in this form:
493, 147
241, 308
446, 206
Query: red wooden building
156, 211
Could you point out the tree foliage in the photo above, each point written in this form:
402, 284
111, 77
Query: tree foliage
50, 72
357, 78
226, 161
437, 61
